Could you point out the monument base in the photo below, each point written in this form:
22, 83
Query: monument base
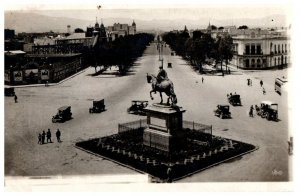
164, 130
163, 141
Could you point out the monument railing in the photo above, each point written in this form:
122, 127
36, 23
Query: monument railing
129, 126
197, 127
142, 123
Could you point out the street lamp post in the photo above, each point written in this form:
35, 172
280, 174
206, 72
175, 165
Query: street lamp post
160, 50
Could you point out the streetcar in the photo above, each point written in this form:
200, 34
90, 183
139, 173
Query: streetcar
280, 85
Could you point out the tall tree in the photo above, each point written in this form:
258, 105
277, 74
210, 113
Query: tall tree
225, 49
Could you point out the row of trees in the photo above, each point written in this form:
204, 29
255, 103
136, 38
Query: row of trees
122, 52
201, 47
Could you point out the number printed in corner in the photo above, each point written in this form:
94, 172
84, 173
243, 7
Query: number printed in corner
277, 172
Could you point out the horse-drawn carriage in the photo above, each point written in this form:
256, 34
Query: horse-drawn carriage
98, 106
234, 99
137, 107
63, 114
267, 110
222, 111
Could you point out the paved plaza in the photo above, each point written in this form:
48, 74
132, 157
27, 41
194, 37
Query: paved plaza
36, 106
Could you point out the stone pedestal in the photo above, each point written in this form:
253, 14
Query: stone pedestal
164, 131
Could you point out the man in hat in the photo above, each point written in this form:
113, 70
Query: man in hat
162, 74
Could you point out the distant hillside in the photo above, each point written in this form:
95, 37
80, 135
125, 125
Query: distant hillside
32, 22
29, 22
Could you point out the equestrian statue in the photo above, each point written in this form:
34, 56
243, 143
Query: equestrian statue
162, 84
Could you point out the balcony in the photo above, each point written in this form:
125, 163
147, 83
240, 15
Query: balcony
252, 54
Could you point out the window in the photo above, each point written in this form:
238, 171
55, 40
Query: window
252, 49
258, 62
278, 48
275, 62
258, 49
252, 63
275, 49
285, 48
247, 49
247, 63
285, 62
271, 45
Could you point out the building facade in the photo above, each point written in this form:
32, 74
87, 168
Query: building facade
118, 30
260, 49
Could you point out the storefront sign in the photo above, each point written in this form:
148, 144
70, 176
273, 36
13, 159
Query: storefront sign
18, 76
45, 74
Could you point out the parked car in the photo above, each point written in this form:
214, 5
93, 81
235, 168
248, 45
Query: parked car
222, 111
98, 106
137, 107
64, 113
267, 110
234, 99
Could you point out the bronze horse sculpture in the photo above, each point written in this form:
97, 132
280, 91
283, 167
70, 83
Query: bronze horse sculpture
165, 86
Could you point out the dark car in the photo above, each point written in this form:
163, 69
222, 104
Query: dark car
267, 110
63, 114
234, 99
137, 107
222, 111
98, 106
9, 91
169, 65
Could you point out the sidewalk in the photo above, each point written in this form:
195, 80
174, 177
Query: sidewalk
49, 84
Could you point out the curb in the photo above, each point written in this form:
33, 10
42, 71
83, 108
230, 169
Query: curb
50, 84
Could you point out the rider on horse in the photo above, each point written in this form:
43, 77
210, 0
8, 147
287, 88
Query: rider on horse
162, 75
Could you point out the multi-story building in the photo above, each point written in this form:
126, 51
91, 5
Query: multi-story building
260, 49
118, 30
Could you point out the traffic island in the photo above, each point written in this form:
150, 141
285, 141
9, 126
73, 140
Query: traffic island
200, 151
165, 146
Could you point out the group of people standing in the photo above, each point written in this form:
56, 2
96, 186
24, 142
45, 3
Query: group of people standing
42, 136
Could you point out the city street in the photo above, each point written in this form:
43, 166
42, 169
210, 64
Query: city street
36, 106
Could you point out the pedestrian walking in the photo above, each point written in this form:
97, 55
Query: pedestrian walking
261, 83
43, 137
251, 111
40, 138
49, 136
202, 80
16, 99
228, 71
248, 82
58, 133
264, 91
169, 174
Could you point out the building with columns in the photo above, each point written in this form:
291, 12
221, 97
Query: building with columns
260, 49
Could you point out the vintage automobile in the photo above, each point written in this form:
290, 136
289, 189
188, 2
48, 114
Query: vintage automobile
137, 107
222, 111
98, 106
169, 65
234, 99
267, 110
63, 114
9, 91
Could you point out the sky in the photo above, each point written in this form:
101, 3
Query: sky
158, 9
